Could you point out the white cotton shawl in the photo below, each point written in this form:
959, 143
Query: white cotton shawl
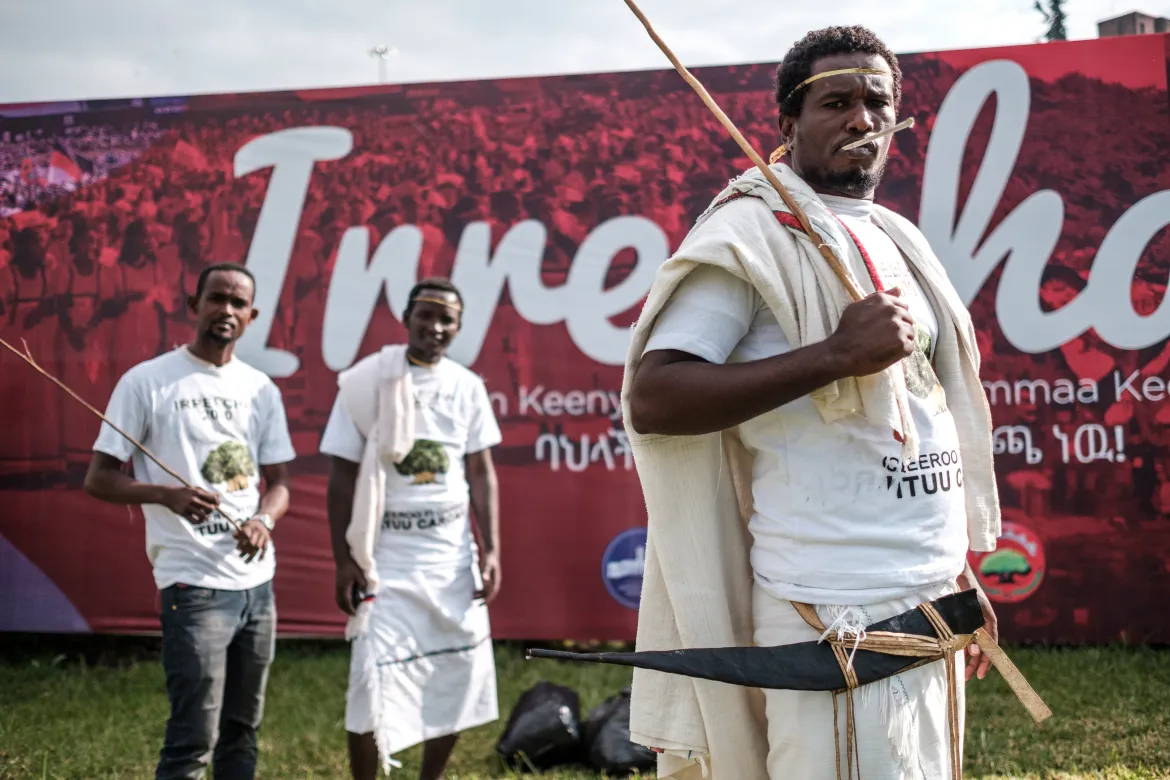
378, 394
697, 585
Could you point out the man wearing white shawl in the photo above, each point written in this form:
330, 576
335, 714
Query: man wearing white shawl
410, 437
796, 447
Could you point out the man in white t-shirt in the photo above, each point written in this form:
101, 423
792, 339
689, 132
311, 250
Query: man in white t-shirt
221, 425
424, 670
839, 521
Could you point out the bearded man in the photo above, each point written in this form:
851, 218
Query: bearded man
798, 448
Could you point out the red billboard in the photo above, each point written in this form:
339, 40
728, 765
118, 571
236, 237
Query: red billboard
1039, 174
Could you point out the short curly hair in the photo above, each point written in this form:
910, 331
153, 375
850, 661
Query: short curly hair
798, 62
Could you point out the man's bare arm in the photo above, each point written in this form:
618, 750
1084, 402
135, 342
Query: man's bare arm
252, 537
485, 503
277, 491
106, 481
678, 394
339, 505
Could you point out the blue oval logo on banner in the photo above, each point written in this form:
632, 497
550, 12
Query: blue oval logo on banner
622, 566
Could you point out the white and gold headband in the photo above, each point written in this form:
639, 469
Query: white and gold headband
842, 71
449, 304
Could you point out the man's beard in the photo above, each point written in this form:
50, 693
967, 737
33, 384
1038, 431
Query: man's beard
217, 339
857, 183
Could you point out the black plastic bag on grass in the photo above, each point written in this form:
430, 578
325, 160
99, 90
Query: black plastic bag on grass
607, 739
544, 729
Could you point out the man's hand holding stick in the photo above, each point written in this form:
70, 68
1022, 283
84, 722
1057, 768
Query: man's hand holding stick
192, 503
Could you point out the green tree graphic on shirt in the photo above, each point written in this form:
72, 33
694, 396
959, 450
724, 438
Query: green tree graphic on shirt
229, 463
425, 460
921, 380
920, 377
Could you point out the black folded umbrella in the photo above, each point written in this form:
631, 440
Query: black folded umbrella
804, 666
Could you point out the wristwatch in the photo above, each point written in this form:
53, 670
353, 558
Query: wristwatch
266, 520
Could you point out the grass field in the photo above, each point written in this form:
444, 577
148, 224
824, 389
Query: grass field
94, 709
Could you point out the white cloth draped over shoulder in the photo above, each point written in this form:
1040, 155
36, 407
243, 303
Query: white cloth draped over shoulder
377, 394
697, 585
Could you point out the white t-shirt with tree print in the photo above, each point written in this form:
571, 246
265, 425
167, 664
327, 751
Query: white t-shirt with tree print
215, 426
427, 495
838, 519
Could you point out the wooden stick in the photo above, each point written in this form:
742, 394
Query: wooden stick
834, 262
881, 134
27, 357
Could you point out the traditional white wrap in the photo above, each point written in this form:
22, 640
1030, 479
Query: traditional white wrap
697, 585
377, 393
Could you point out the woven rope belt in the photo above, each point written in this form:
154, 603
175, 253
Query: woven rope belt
942, 647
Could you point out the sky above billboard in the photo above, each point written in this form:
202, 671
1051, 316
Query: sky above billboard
64, 49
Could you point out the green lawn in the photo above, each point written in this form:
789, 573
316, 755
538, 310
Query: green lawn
94, 708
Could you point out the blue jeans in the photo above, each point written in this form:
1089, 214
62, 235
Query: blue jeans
217, 649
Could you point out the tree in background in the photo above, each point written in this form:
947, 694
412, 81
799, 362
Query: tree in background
1054, 17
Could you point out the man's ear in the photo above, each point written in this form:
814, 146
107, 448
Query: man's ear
787, 126
252, 317
193, 305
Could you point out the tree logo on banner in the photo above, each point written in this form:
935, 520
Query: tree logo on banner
622, 566
1014, 571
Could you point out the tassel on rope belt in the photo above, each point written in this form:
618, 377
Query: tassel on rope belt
944, 646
